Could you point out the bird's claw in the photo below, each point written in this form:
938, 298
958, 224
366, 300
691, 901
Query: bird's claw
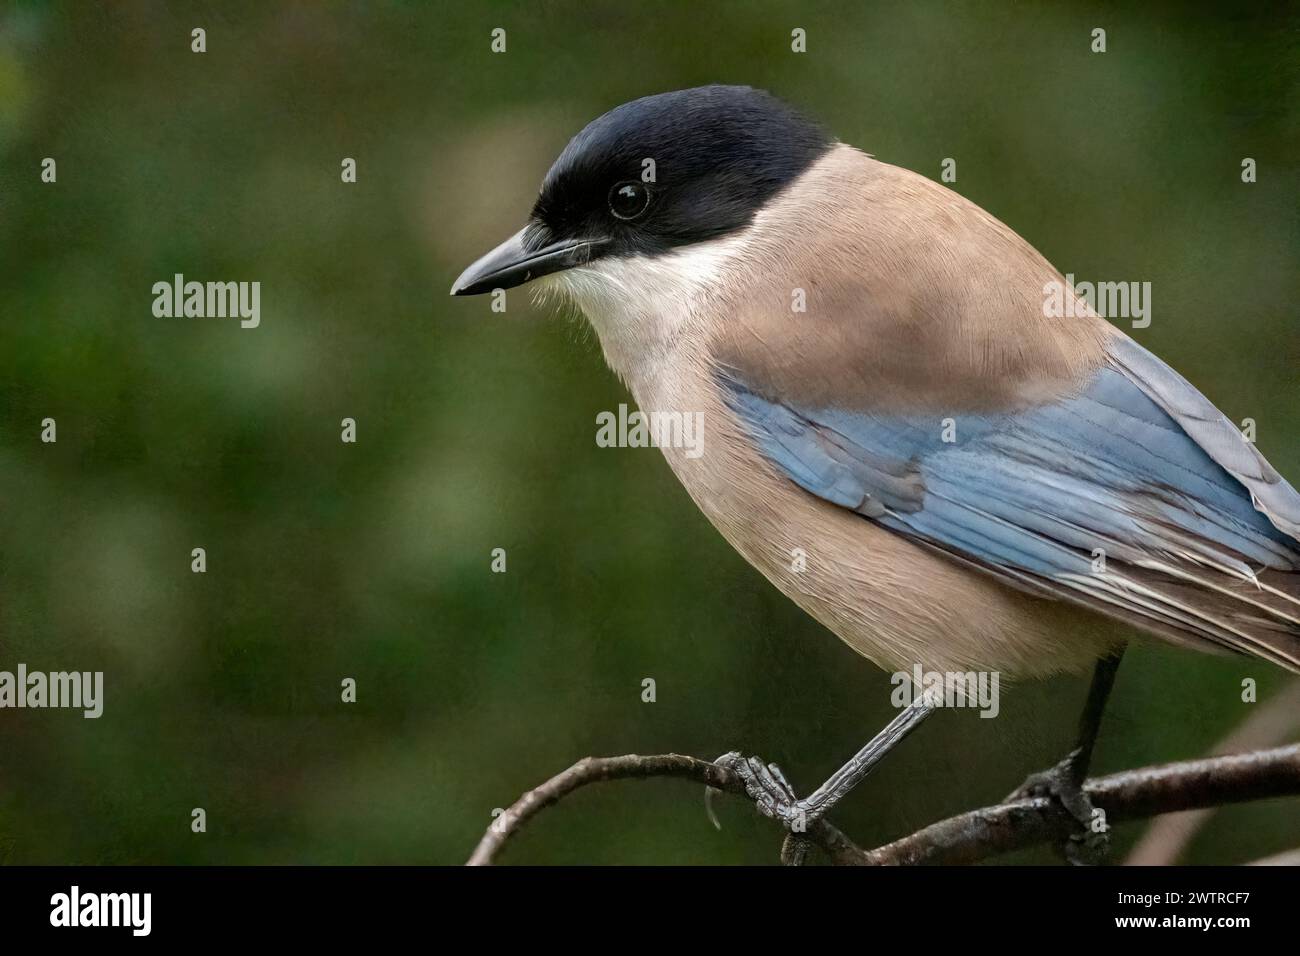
767, 786
1086, 845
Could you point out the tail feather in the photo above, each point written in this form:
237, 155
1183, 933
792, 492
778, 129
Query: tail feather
1260, 616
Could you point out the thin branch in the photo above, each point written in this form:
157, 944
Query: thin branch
1130, 795
1271, 723
591, 770
968, 837
1286, 858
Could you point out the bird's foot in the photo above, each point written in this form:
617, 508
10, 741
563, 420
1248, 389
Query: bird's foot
1089, 841
771, 792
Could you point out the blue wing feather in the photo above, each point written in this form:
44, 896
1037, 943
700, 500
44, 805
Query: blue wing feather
1033, 492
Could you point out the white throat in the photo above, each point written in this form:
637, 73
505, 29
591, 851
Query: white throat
647, 308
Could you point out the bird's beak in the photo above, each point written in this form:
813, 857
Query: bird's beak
513, 263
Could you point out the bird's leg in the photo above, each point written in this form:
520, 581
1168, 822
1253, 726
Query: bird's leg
774, 797
1064, 781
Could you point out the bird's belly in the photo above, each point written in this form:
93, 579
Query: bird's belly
896, 603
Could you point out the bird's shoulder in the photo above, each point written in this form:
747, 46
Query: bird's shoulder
867, 285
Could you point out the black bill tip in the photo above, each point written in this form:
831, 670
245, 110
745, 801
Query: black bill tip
513, 263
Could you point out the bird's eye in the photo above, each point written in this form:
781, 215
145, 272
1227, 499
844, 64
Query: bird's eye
628, 200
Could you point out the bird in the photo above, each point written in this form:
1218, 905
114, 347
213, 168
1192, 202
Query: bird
899, 434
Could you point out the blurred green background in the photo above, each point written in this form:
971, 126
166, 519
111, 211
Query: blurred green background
476, 430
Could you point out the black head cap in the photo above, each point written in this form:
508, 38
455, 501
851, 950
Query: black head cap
657, 173
695, 164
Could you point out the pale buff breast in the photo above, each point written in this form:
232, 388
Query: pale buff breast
914, 295
894, 602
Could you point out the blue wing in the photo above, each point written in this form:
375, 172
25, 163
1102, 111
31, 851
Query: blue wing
1104, 498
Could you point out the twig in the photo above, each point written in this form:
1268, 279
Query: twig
591, 770
1130, 795
1270, 724
968, 837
